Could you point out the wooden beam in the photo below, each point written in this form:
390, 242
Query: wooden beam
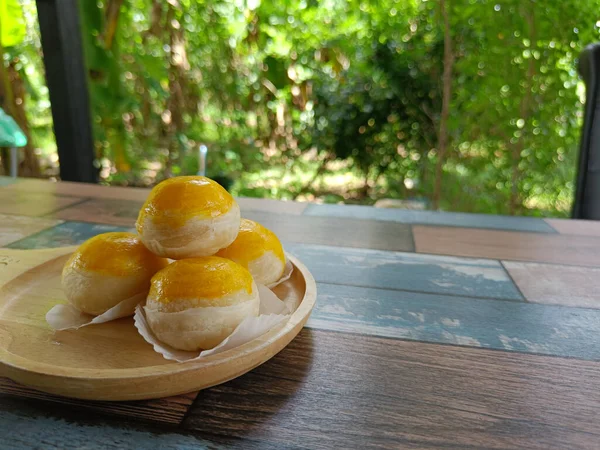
67, 84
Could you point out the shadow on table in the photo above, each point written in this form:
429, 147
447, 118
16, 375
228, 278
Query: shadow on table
240, 408
233, 414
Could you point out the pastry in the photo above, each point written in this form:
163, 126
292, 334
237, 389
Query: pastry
186, 217
195, 303
108, 269
257, 249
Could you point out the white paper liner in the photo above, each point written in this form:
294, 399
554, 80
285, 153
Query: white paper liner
210, 324
67, 317
272, 312
287, 273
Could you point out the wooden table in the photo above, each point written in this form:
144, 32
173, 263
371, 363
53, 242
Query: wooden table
432, 330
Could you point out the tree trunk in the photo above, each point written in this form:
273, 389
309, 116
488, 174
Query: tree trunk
525, 114
30, 166
364, 191
320, 170
446, 96
5, 103
111, 19
12, 99
178, 87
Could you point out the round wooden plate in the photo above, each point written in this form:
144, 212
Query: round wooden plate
111, 361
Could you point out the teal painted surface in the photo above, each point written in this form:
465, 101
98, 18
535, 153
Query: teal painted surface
503, 325
5, 181
24, 432
407, 271
65, 234
432, 217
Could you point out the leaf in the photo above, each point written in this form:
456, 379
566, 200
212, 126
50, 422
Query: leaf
276, 71
12, 23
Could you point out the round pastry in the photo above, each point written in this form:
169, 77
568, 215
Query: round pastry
186, 217
108, 269
195, 303
257, 249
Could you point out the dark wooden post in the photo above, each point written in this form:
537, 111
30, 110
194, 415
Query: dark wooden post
67, 84
587, 194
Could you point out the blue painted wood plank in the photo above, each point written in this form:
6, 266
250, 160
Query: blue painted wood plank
503, 325
432, 217
407, 271
65, 234
53, 433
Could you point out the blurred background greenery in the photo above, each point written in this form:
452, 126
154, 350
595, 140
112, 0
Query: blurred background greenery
462, 105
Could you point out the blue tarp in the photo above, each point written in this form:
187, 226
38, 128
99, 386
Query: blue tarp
10, 133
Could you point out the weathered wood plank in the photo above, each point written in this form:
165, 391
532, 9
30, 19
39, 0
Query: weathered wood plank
535, 247
136, 194
432, 217
125, 212
32, 204
271, 206
23, 426
5, 181
170, 410
406, 271
63, 235
336, 232
349, 391
557, 285
578, 227
14, 228
84, 190
502, 325
103, 210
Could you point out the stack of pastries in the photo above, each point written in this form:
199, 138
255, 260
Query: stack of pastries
196, 301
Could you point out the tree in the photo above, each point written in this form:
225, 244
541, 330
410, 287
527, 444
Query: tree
12, 85
471, 105
442, 147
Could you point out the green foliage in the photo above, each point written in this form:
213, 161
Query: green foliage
340, 99
12, 23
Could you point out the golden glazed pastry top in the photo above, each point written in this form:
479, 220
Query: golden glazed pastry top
118, 254
252, 241
204, 280
176, 200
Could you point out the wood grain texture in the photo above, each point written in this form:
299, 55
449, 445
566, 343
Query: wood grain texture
32, 204
169, 410
336, 232
83, 190
557, 285
489, 221
406, 271
536, 247
14, 228
577, 227
125, 212
332, 390
111, 361
101, 210
135, 194
502, 325
64, 235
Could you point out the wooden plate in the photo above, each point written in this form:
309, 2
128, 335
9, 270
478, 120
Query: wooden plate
111, 361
